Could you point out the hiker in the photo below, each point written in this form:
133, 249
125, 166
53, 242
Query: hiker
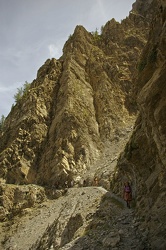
72, 183
66, 184
95, 182
127, 193
84, 183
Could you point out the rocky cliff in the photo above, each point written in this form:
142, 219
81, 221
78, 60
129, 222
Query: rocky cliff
72, 125
144, 161
58, 129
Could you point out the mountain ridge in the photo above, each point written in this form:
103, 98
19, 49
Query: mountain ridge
98, 111
80, 88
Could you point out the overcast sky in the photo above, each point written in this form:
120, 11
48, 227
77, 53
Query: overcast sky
31, 31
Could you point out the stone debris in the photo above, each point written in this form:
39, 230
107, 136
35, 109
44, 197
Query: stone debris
75, 222
68, 136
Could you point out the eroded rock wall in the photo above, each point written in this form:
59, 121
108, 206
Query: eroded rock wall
58, 129
144, 161
26, 127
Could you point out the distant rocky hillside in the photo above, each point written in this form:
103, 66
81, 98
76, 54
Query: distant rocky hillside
144, 160
76, 103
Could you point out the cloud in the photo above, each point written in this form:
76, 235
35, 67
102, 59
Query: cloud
32, 31
54, 51
101, 9
7, 97
10, 88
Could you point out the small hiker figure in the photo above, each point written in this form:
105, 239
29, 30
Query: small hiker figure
66, 184
72, 183
127, 193
95, 182
84, 183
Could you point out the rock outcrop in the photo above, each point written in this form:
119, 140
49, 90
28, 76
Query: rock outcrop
85, 218
144, 161
58, 129
73, 124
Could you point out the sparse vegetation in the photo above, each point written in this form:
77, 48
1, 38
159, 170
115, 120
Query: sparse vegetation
141, 65
96, 35
152, 57
70, 36
2, 121
22, 92
102, 27
18, 95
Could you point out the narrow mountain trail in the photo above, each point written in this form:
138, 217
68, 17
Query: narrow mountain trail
131, 236
117, 230
84, 218
104, 167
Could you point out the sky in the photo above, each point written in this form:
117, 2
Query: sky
31, 31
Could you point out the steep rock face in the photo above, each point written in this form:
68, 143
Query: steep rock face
144, 161
76, 103
17, 199
73, 137
142, 7
27, 125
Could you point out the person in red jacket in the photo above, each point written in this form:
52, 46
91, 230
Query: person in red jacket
127, 193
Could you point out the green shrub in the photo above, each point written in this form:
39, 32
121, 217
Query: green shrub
2, 121
18, 95
102, 28
22, 92
141, 65
96, 35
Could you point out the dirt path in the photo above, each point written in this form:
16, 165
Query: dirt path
29, 230
110, 229
104, 167
85, 218
131, 237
